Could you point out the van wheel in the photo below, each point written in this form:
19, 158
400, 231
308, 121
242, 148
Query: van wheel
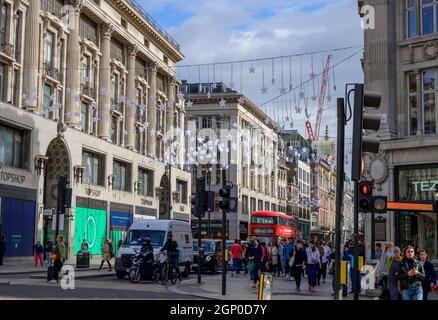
120, 275
186, 271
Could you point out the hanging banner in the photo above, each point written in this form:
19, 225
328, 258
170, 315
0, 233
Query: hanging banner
120, 220
90, 224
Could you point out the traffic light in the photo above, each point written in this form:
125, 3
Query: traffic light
369, 203
227, 203
363, 121
209, 202
199, 202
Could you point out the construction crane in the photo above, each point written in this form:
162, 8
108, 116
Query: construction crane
314, 134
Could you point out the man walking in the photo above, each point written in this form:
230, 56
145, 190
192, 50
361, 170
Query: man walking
2, 249
287, 254
325, 259
236, 253
300, 258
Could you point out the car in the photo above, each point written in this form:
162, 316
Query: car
211, 253
156, 231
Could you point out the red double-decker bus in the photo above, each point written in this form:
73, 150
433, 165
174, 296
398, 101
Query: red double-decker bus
270, 225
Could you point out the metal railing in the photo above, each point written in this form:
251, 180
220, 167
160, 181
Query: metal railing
7, 48
155, 24
51, 72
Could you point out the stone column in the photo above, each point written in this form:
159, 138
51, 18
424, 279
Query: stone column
105, 84
170, 103
31, 56
152, 109
73, 90
130, 97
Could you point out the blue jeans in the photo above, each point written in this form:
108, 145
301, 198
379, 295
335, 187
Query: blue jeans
413, 293
236, 265
312, 269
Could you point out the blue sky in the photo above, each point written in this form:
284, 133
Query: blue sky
229, 30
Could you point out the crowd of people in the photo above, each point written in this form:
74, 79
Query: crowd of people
288, 259
404, 274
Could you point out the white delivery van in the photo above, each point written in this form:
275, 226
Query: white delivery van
157, 231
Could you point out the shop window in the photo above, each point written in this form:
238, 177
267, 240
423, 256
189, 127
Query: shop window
181, 189
47, 100
122, 176
11, 146
146, 180
94, 168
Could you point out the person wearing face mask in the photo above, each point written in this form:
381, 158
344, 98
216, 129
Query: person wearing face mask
392, 275
411, 274
300, 259
313, 263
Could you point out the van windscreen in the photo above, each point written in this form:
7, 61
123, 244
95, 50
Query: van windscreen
135, 237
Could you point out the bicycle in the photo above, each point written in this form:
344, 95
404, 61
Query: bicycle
168, 270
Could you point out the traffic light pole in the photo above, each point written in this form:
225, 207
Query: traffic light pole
339, 195
199, 248
356, 242
224, 242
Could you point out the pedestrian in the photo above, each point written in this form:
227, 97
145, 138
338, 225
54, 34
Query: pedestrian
313, 263
287, 254
320, 248
255, 256
84, 246
61, 247
393, 283
2, 249
48, 252
429, 271
249, 248
382, 266
38, 253
378, 251
236, 253
106, 255
281, 265
265, 264
299, 261
349, 257
411, 274
272, 257
325, 259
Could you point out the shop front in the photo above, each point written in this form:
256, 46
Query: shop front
17, 219
121, 218
90, 224
212, 230
417, 184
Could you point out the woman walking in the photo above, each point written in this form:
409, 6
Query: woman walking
38, 253
255, 256
430, 274
106, 255
393, 284
48, 252
273, 258
411, 274
313, 263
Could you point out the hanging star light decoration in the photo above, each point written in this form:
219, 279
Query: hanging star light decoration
241, 100
189, 104
235, 124
283, 90
209, 95
162, 106
222, 103
252, 69
264, 90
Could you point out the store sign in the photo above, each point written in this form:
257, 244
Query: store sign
93, 192
11, 177
146, 202
120, 220
425, 186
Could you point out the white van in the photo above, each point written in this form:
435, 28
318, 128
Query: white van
157, 231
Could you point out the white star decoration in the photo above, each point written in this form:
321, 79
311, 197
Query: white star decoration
241, 100
222, 103
189, 104
252, 69
264, 90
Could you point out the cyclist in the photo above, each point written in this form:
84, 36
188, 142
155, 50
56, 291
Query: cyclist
171, 246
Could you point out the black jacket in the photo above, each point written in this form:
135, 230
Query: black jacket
2, 247
300, 257
257, 253
430, 277
172, 249
407, 280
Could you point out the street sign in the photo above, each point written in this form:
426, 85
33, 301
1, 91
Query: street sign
48, 212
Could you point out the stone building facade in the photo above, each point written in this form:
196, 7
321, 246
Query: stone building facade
400, 61
88, 91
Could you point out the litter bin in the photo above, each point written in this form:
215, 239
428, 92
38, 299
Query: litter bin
82, 260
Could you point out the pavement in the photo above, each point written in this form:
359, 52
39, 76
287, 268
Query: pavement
239, 287
25, 266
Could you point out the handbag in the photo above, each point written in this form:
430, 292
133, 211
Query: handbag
291, 261
250, 266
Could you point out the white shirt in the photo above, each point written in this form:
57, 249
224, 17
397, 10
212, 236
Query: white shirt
312, 256
327, 253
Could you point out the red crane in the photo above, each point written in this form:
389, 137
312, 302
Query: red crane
314, 135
